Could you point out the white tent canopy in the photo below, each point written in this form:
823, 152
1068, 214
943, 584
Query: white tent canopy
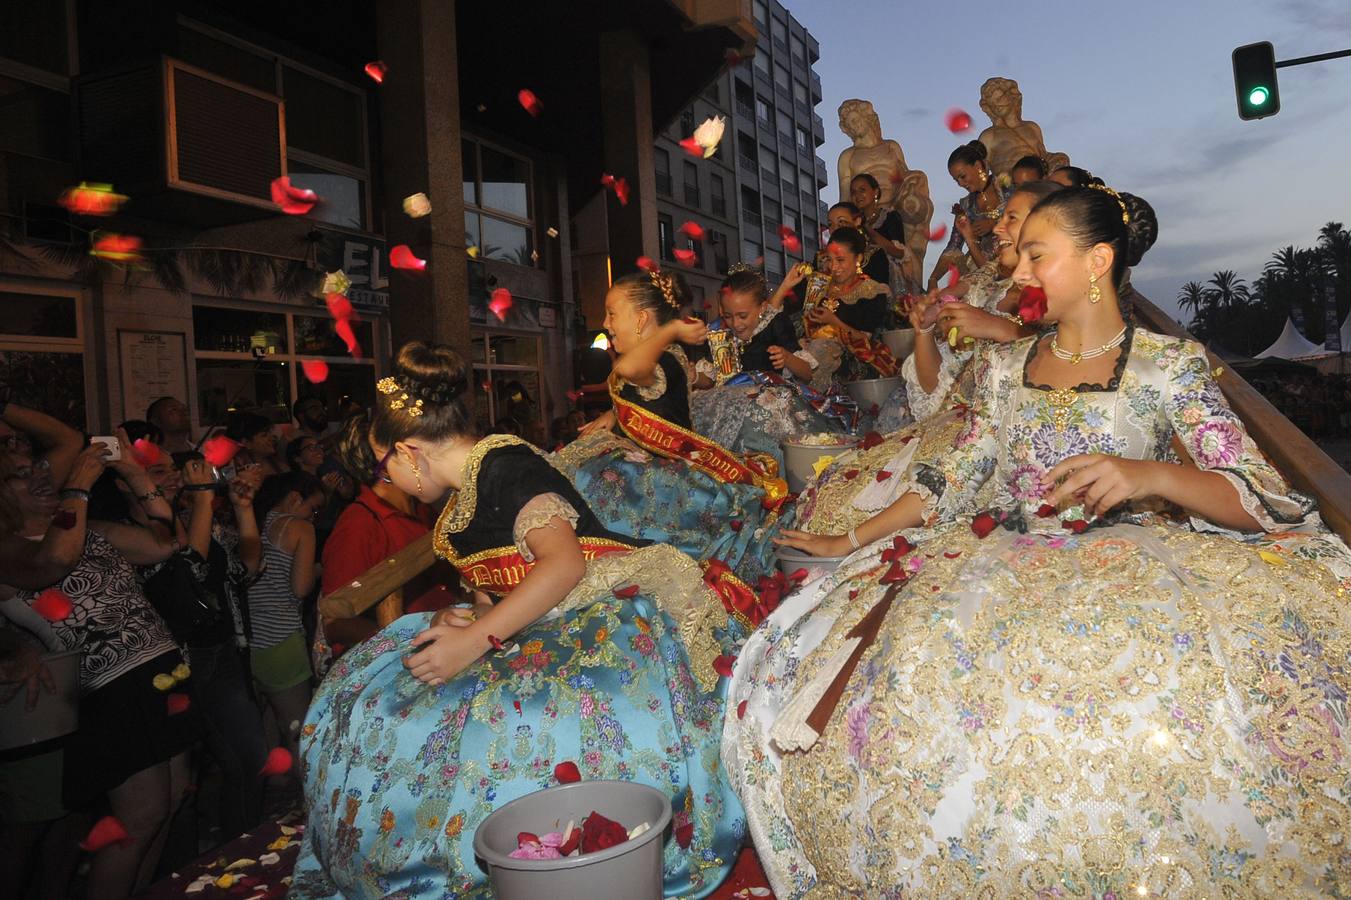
1293, 345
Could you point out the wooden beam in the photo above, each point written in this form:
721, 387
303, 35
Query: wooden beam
379, 581
1297, 457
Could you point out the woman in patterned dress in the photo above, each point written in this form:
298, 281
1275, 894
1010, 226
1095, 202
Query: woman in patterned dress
975, 214
582, 649
643, 468
1102, 682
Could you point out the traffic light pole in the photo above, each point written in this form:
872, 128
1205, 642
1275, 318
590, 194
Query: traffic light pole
1285, 63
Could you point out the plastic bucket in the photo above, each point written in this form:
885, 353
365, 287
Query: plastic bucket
900, 341
791, 561
56, 714
628, 871
799, 459
872, 392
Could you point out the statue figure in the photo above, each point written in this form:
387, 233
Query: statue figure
904, 189
1009, 137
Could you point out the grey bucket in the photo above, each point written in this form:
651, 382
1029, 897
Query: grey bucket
629, 871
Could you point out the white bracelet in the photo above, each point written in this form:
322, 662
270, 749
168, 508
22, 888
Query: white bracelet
928, 330
853, 538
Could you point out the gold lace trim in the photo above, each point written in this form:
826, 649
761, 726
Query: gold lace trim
820, 291
540, 512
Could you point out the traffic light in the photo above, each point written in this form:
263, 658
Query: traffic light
1255, 81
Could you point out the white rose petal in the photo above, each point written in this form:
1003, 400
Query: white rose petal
269, 859
417, 205
709, 134
336, 283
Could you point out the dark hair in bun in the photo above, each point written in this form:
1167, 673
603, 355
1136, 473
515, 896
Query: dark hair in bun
424, 397
1038, 189
847, 207
850, 238
1079, 177
744, 279
1033, 163
972, 153
868, 177
658, 291
1097, 215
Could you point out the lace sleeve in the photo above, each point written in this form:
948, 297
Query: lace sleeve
540, 512
924, 404
1216, 441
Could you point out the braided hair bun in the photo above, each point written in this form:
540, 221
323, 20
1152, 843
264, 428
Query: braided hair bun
1099, 215
1142, 229
658, 291
425, 396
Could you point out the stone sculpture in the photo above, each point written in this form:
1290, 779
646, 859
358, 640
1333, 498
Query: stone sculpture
1010, 137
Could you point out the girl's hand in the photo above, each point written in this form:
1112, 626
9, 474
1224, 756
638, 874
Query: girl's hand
461, 616
690, 331
924, 310
127, 466
1099, 481
603, 422
822, 315
971, 322
87, 467
982, 226
245, 484
963, 226
795, 275
445, 652
815, 544
778, 357
331, 481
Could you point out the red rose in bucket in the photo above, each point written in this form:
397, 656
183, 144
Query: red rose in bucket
600, 833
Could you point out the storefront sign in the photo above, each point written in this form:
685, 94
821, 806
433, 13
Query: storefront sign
153, 365
365, 263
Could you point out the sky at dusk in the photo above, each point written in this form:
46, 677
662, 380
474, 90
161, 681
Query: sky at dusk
1138, 92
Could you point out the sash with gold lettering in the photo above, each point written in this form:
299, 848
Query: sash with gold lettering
666, 439
502, 568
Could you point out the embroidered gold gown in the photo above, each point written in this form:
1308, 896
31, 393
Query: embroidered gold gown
619, 678
1136, 706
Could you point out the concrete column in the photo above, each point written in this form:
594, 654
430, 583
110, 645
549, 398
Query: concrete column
419, 105
628, 136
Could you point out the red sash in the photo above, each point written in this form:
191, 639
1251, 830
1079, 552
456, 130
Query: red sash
665, 439
502, 568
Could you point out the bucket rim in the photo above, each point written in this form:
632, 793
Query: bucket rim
503, 861
845, 441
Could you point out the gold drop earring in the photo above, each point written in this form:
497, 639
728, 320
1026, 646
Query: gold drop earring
1094, 292
417, 476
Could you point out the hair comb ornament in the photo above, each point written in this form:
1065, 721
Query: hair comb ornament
1125, 215
389, 387
665, 282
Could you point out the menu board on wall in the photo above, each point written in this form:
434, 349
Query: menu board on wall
153, 365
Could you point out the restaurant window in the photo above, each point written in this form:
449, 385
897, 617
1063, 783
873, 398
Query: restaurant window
498, 187
250, 359
665, 236
42, 353
507, 370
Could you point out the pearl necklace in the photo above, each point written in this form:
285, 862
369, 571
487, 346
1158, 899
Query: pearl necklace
1075, 358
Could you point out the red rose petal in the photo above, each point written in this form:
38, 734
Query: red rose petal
692, 147
692, 230
52, 604
871, 440
87, 200
883, 475
117, 247
741, 710
851, 475
339, 307
316, 370
939, 232
106, 831
686, 257
278, 761
401, 257
145, 452
219, 450
177, 703
343, 328
789, 239
947, 555
957, 120
735, 524
798, 575
574, 396
1045, 511
684, 834
621, 187
1078, 526
853, 595
377, 70
607, 179
953, 276
526, 837
500, 303
572, 843
627, 593
293, 201
983, 524
567, 772
529, 102
723, 665
646, 264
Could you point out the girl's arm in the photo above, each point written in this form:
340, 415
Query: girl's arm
637, 365
141, 546
59, 443
304, 575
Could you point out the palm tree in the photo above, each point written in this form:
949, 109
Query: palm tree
1191, 298
1227, 291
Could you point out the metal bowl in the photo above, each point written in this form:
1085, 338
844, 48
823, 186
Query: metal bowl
799, 459
872, 391
900, 341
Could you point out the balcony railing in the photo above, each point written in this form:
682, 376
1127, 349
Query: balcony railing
745, 110
750, 217
664, 183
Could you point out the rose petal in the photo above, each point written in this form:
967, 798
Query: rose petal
219, 450
401, 257
735, 524
789, 239
983, 524
415, 206
94, 199
646, 264
567, 772
574, 396
947, 555
741, 710
607, 179
883, 475
316, 370
278, 761
939, 232
52, 604
106, 831
339, 307
957, 120
116, 247
343, 328
177, 703
953, 276
692, 147
684, 834
627, 593
723, 665
692, 230
500, 303
293, 201
529, 102
1045, 511
376, 69
145, 452
621, 187
686, 257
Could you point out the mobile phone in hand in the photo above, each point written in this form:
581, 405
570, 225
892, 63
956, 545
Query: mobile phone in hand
111, 442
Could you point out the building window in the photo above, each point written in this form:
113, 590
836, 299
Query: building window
35, 84
507, 368
752, 254
498, 187
800, 92
665, 236
714, 92
804, 140
42, 352
687, 122
781, 79
761, 12
247, 358
806, 182
799, 49
750, 206
764, 112
769, 161
691, 184
773, 214
717, 199
663, 163
779, 29
718, 242
762, 63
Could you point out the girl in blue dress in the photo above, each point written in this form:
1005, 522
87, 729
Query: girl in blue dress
583, 647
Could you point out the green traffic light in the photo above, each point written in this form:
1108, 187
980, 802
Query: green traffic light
1258, 96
